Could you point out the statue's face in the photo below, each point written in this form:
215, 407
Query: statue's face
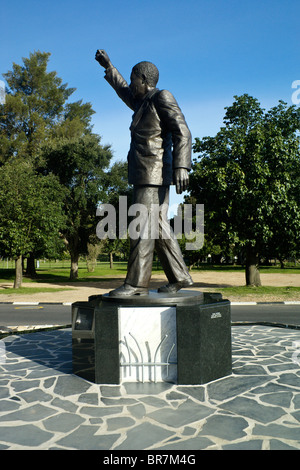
138, 86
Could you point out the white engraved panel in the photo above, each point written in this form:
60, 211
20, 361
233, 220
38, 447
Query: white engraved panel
148, 348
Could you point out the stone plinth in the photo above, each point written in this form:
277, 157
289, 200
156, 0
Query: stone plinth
183, 338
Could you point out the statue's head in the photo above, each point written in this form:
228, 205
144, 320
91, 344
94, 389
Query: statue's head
144, 77
147, 71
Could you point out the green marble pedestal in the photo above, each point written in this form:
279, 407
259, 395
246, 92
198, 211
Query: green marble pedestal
197, 326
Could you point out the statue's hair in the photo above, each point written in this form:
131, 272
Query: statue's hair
148, 71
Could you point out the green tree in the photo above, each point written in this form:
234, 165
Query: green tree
116, 185
38, 125
247, 176
35, 104
35, 100
80, 163
31, 212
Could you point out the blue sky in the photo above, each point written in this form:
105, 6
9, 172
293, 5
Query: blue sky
207, 51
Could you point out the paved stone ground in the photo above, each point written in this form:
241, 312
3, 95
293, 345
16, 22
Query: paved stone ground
44, 406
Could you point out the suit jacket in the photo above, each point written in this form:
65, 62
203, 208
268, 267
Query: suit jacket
160, 138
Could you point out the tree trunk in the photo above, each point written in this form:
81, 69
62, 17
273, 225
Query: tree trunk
74, 266
18, 273
252, 268
30, 269
111, 260
90, 265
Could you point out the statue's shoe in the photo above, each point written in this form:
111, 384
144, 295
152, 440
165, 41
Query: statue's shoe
176, 286
128, 290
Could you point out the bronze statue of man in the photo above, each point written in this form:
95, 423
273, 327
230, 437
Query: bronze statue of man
159, 155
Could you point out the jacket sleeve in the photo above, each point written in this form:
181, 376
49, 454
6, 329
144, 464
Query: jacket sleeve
119, 84
174, 121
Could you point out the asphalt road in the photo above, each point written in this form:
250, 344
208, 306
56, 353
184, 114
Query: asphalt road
273, 313
51, 314
47, 314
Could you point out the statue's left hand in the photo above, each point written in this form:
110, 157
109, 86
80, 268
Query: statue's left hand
181, 179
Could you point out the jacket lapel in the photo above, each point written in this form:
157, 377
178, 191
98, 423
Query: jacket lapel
140, 111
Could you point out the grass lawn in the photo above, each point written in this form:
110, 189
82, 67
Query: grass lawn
57, 273
264, 292
60, 272
51, 271
262, 269
31, 290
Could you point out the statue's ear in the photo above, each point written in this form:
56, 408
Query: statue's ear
144, 78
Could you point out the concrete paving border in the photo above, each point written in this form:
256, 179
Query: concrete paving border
287, 302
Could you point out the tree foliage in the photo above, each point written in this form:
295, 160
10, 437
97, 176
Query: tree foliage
35, 101
248, 177
79, 163
31, 208
39, 126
